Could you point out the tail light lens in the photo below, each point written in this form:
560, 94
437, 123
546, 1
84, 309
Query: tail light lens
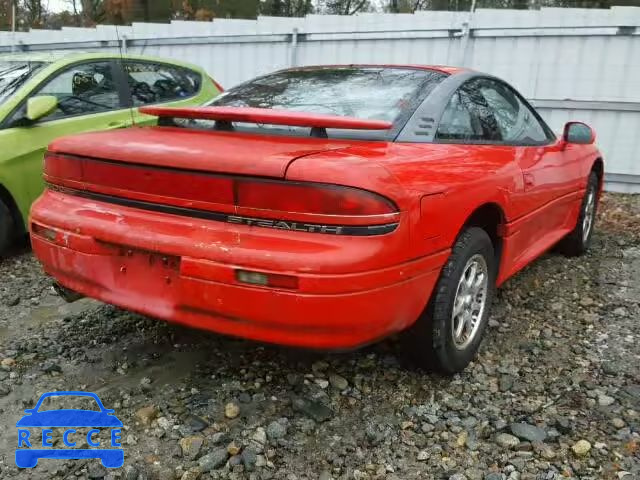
167, 184
310, 198
62, 167
42, 231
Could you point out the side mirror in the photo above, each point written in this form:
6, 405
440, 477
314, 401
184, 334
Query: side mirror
578, 132
40, 106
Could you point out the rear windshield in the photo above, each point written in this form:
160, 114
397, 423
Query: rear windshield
390, 94
15, 74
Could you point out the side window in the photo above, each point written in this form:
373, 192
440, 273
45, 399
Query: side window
456, 123
468, 117
82, 90
158, 83
516, 121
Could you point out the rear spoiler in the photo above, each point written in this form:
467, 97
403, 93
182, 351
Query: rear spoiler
226, 115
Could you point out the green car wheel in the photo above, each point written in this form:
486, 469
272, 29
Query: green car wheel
6, 227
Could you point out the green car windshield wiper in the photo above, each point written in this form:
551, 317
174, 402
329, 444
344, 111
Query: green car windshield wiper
11, 80
13, 84
9, 70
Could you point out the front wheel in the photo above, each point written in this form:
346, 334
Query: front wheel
577, 242
447, 335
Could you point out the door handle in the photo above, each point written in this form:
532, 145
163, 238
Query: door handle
117, 124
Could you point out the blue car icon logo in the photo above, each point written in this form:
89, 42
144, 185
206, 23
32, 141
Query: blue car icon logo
31, 448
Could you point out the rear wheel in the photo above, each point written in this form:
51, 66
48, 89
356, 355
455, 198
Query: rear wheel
6, 228
577, 242
447, 335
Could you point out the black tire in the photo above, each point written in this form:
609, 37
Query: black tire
7, 233
431, 340
577, 242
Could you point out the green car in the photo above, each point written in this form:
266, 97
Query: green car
45, 95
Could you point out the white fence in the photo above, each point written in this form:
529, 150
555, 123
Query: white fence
579, 64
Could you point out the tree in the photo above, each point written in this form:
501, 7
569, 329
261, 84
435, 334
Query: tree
346, 7
75, 6
237, 8
407, 6
286, 8
32, 12
93, 12
5, 14
118, 12
70, 17
66, 18
208, 9
192, 10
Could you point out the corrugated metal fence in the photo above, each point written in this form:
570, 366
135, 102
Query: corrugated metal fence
579, 64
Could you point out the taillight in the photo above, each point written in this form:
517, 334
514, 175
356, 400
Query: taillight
60, 166
275, 195
45, 232
310, 198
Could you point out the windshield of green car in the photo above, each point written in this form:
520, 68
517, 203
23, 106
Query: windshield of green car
14, 74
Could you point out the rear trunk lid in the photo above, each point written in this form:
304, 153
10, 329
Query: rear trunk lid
196, 150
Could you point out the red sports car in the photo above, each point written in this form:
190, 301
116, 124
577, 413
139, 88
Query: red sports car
325, 207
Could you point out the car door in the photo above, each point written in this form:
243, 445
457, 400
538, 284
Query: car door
89, 98
153, 83
547, 168
484, 111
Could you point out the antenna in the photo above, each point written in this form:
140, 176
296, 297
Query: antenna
13, 26
120, 49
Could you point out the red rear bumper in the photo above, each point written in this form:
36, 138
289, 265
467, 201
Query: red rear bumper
126, 257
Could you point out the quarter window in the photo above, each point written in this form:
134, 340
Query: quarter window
82, 90
157, 83
468, 117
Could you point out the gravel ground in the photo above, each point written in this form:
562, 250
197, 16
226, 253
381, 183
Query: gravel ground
555, 392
